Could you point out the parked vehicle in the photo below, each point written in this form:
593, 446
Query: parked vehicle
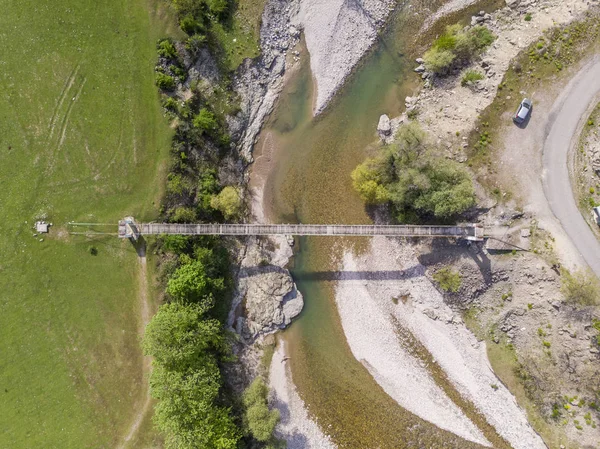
523, 111
596, 214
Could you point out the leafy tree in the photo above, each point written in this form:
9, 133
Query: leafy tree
228, 202
183, 214
178, 336
192, 283
208, 186
415, 180
261, 421
174, 243
205, 121
366, 179
187, 411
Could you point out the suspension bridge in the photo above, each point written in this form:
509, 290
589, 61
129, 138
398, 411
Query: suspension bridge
130, 229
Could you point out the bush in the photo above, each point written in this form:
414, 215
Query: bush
580, 288
260, 421
367, 182
166, 49
164, 81
183, 215
471, 76
456, 46
448, 279
438, 61
528, 17
205, 121
190, 25
228, 202
192, 283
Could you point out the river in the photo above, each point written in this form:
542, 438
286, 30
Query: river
309, 182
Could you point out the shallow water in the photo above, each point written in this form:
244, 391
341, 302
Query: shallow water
310, 183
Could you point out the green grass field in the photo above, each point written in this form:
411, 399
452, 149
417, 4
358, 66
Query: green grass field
82, 138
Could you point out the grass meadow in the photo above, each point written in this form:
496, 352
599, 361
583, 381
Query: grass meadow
82, 138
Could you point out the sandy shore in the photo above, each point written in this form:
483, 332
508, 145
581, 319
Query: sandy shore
338, 33
366, 309
296, 427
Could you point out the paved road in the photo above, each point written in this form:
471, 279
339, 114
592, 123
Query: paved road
562, 132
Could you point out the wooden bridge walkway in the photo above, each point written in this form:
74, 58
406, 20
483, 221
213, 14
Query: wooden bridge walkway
132, 229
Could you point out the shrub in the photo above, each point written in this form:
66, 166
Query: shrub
183, 215
528, 17
366, 180
190, 25
93, 250
194, 43
456, 45
165, 82
228, 202
166, 49
580, 288
471, 76
448, 279
260, 420
205, 121
438, 61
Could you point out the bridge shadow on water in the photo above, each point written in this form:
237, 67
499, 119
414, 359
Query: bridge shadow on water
381, 275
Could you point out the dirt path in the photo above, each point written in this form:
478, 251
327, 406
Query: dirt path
145, 316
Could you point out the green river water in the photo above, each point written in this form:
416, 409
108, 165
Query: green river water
310, 183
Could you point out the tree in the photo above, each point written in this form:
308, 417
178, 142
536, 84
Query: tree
191, 284
414, 179
366, 179
260, 420
178, 336
205, 121
228, 202
186, 411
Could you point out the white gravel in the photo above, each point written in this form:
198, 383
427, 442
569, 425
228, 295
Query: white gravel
296, 426
365, 309
338, 33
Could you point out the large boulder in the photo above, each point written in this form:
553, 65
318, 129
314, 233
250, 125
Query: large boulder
266, 298
384, 127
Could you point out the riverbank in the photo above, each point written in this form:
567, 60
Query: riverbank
296, 427
399, 294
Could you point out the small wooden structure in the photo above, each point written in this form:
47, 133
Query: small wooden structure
128, 229
41, 227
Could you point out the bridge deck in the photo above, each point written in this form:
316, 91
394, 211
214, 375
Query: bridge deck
307, 229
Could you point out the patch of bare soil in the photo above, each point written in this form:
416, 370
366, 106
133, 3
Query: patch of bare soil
144, 403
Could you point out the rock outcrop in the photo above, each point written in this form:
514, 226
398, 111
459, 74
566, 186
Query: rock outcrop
266, 297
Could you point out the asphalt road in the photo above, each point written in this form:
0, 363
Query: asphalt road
562, 132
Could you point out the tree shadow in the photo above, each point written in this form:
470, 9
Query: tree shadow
295, 440
444, 252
